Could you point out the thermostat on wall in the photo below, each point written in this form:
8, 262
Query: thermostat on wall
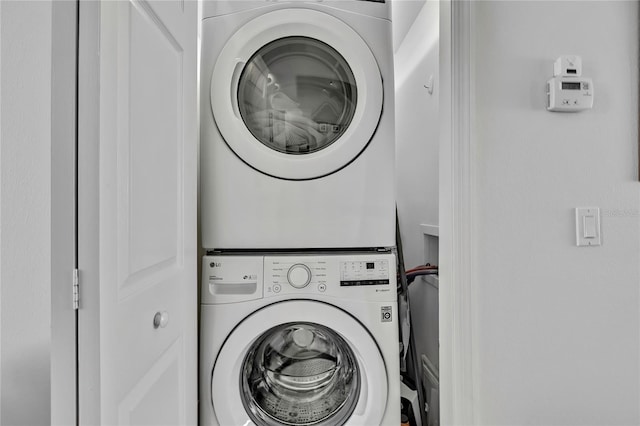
568, 91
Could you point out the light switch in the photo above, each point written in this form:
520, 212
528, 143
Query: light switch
588, 226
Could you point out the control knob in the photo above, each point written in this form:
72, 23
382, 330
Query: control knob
299, 275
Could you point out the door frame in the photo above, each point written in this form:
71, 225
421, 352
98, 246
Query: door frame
74, 178
64, 61
458, 364
88, 211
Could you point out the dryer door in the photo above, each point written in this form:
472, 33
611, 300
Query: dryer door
299, 363
296, 94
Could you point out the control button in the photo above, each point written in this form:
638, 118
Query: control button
322, 287
299, 275
276, 288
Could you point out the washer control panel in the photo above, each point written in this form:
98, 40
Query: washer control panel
230, 278
364, 272
365, 276
299, 275
290, 273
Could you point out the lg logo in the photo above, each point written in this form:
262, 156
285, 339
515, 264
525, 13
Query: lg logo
215, 264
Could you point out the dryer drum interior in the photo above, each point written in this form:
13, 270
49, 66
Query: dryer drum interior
297, 95
300, 374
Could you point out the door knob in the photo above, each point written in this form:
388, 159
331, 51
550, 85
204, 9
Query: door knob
160, 319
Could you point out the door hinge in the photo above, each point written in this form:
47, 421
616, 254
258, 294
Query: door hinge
76, 290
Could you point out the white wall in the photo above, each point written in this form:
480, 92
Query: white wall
417, 130
404, 14
557, 325
25, 199
417, 126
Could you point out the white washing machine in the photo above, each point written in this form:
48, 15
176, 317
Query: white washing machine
299, 340
297, 125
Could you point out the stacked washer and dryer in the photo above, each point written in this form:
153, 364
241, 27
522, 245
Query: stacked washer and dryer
299, 322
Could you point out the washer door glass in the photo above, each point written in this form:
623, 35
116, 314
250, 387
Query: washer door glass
297, 95
300, 374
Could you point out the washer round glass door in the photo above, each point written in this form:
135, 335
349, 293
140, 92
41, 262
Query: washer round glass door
299, 363
305, 94
300, 374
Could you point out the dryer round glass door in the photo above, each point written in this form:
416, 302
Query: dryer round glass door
299, 362
296, 94
300, 374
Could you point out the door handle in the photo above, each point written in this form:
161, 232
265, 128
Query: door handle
160, 319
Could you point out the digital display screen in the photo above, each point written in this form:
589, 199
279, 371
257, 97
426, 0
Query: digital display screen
570, 85
370, 265
354, 283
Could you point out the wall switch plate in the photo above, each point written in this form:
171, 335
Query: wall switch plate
588, 226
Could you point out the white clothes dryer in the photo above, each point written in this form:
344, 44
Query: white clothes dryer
297, 133
299, 340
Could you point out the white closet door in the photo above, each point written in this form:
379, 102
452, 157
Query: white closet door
137, 212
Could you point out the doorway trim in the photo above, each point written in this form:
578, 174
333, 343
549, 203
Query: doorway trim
456, 268
63, 211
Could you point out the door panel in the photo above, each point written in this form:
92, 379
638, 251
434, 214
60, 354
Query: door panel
140, 405
150, 145
139, 191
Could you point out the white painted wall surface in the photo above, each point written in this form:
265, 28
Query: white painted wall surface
557, 325
25, 222
403, 15
417, 127
417, 139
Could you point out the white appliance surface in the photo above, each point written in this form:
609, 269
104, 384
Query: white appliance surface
297, 135
320, 329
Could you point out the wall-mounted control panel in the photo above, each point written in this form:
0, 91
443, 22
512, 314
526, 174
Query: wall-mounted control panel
568, 91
